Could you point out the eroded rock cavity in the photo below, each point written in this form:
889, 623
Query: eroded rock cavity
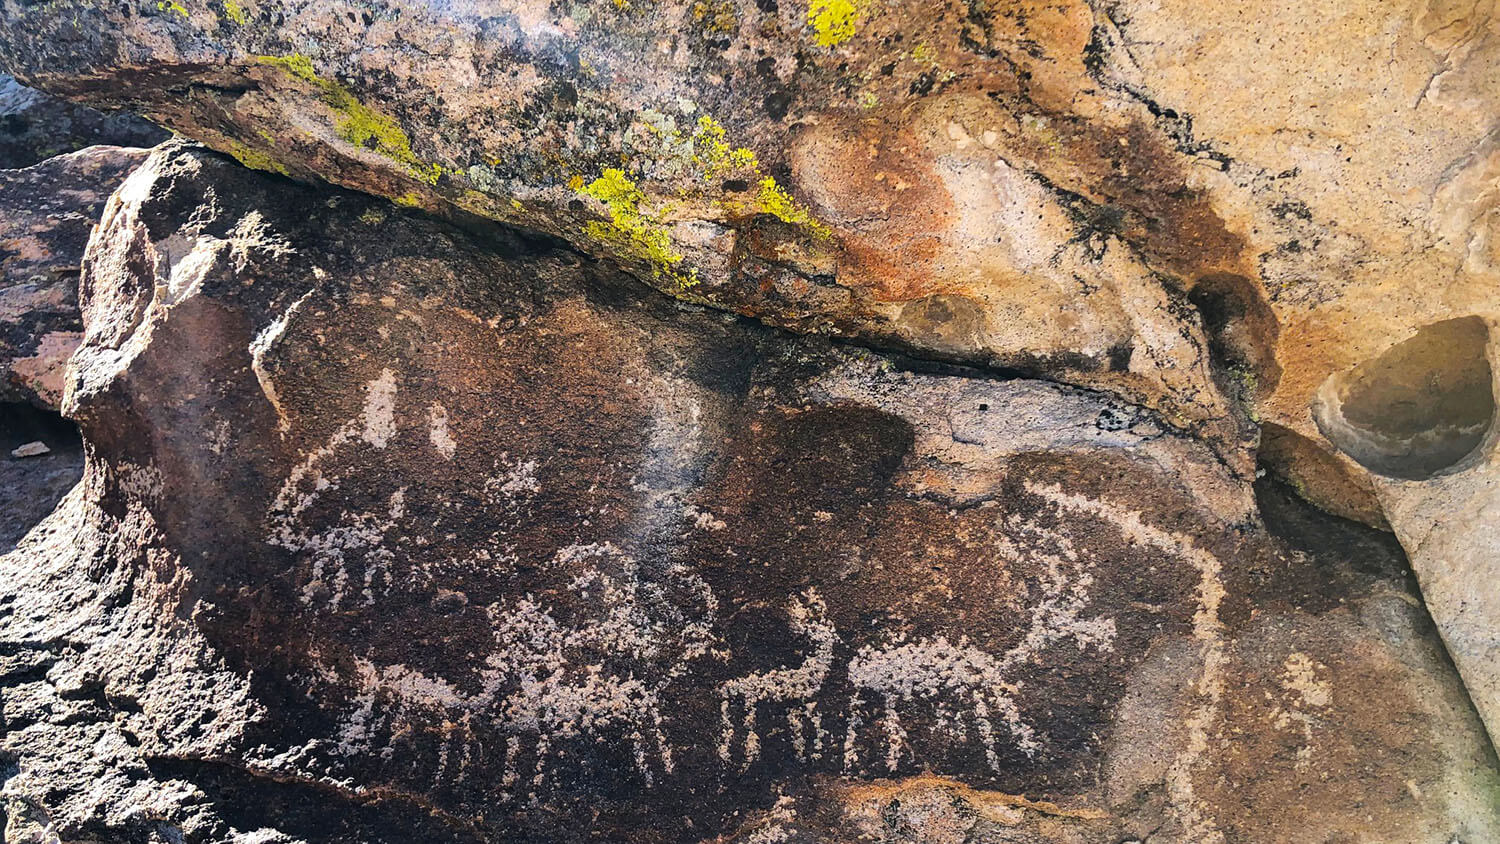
1420, 408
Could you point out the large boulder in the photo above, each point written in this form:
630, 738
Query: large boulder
974, 185
394, 531
35, 126
46, 215
1215, 216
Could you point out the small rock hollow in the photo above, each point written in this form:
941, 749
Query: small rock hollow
30, 487
1418, 409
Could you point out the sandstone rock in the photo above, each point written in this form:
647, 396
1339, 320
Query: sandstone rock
35, 126
454, 535
49, 211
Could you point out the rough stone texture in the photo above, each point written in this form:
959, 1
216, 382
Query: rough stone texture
46, 215
35, 126
965, 186
1218, 214
981, 168
458, 536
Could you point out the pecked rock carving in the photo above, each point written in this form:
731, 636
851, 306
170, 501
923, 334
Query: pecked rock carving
457, 536
729, 421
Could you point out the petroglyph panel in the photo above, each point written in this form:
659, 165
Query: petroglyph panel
487, 535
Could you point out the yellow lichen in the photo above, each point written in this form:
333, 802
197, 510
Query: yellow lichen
716, 16
408, 200
832, 21
633, 231
358, 124
295, 64
774, 200
235, 12
714, 154
171, 6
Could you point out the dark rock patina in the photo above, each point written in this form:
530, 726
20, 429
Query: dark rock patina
395, 531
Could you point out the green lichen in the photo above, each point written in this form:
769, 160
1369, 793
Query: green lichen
235, 12
1248, 384
295, 64
357, 123
256, 159
1040, 127
832, 21
630, 229
705, 155
171, 6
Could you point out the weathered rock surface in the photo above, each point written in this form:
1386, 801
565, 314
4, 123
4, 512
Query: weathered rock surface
35, 126
1420, 417
455, 535
1029, 186
46, 215
969, 189
1215, 215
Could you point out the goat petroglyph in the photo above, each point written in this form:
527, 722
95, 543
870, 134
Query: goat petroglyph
795, 689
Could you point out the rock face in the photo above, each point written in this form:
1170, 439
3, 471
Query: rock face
1420, 416
1030, 186
35, 126
455, 535
49, 211
1216, 216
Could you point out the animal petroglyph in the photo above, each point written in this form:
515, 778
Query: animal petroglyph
795, 689
965, 686
591, 668
355, 536
962, 683
347, 551
1208, 632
